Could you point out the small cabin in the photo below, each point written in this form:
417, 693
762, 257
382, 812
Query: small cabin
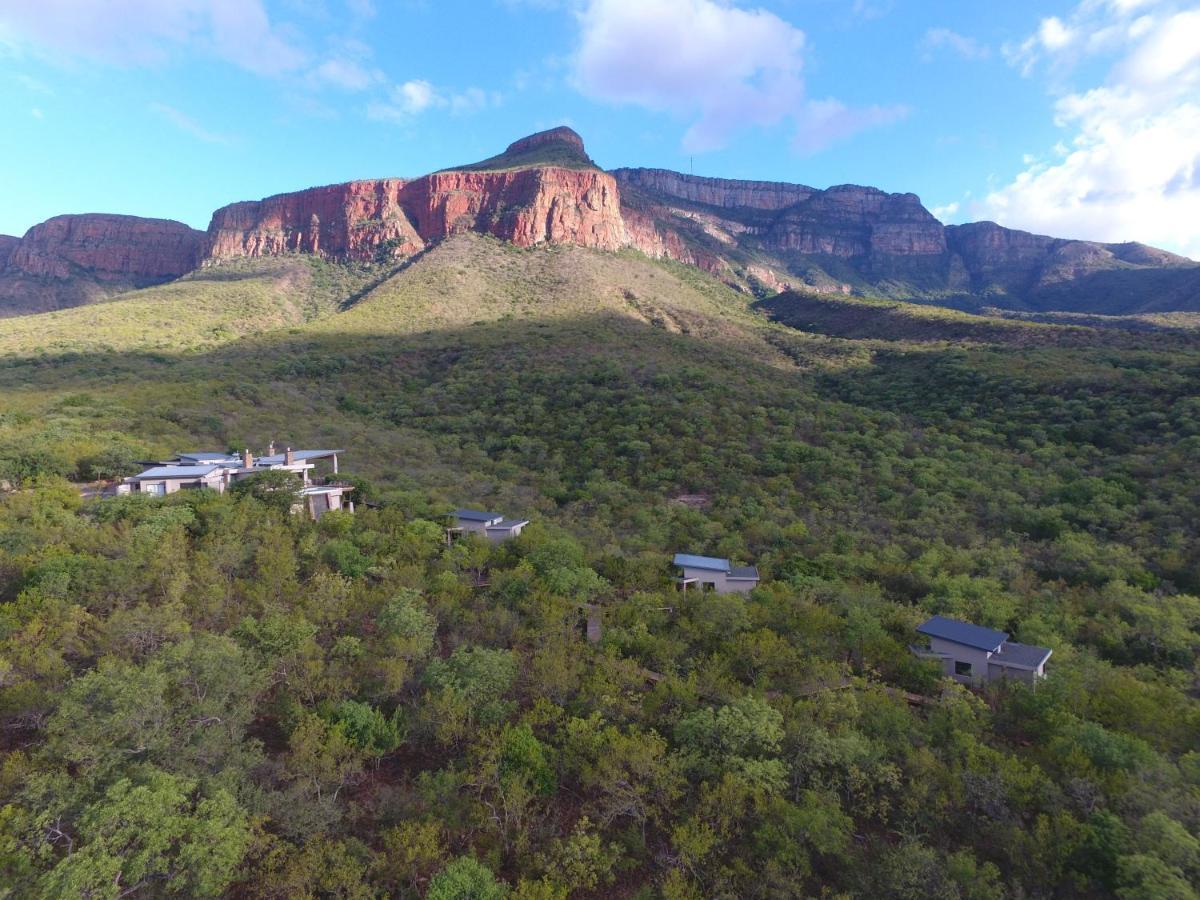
708, 573
489, 525
971, 654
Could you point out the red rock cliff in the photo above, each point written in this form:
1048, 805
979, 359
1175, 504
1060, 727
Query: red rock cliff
545, 205
107, 246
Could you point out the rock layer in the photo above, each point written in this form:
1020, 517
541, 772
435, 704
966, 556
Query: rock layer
73, 259
362, 219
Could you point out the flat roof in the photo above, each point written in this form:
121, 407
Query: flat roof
475, 515
298, 455
1021, 656
176, 472
749, 573
508, 523
709, 563
963, 633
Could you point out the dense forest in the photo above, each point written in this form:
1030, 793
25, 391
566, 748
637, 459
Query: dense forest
203, 695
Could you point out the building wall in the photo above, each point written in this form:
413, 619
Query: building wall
500, 535
478, 528
959, 653
706, 576
1028, 676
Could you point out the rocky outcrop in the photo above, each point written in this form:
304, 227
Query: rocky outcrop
107, 245
8, 244
852, 238
73, 259
362, 219
555, 136
721, 193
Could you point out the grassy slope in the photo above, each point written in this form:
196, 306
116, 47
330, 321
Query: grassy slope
204, 309
853, 317
560, 155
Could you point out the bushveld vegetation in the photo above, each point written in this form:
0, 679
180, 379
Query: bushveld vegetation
204, 696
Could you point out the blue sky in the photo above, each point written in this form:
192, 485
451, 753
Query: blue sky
1074, 118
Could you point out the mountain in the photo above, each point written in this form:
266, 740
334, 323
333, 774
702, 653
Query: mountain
760, 237
851, 239
74, 259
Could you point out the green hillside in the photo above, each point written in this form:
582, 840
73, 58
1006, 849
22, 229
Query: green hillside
201, 695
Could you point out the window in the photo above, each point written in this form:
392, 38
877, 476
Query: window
962, 668
708, 586
156, 489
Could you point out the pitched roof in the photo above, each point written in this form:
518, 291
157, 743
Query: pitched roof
747, 572
176, 472
708, 563
475, 515
298, 455
1022, 656
963, 633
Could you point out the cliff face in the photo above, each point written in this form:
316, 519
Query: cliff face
858, 238
361, 219
121, 246
8, 244
544, 189
73, 259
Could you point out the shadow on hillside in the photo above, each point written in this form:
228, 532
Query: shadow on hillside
855, 319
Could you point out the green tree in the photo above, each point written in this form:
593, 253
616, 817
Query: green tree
465, 879
158, 831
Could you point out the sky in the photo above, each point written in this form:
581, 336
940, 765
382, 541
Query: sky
1078, 118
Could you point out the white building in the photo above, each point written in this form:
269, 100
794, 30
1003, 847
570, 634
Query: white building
492, 526
709, 573
217, 471
972, 654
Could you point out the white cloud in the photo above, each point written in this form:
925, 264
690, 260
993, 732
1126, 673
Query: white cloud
724, 67
410, 99
150, 32
187, 124
944, 38
946, 213
347, 74
1129, 167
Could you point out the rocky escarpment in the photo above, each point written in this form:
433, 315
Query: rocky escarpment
365, 220
397, 218
859, 239
544, 190
73, 259
8, 244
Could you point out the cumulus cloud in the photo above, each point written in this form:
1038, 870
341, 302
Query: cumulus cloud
1129, 166
936, 39
410, 99
142, 32
724, 67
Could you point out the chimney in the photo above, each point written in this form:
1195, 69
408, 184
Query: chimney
247, 460
288, 458
271, 449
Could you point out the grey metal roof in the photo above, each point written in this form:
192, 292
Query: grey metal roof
1022, 656
508, 524
176, 472
298, 455
963, 633
215, 455
708, 563
475, 515
747, 572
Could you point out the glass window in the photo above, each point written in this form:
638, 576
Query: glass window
962, 668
